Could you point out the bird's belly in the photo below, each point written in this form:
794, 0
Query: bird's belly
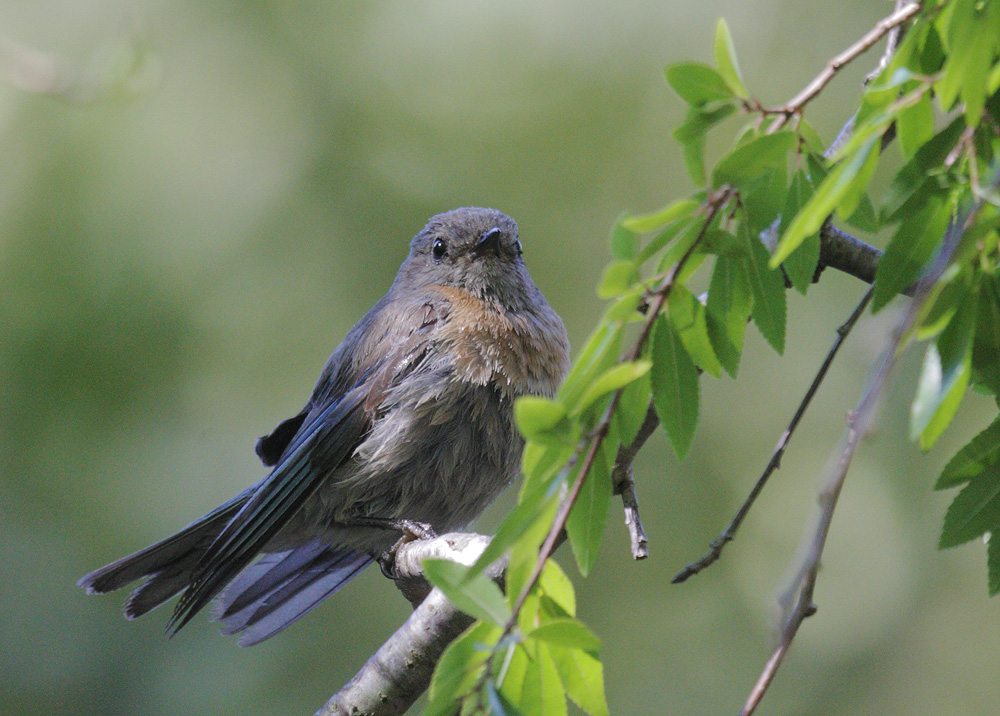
438, 460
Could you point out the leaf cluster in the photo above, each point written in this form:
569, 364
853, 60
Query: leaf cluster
753, 228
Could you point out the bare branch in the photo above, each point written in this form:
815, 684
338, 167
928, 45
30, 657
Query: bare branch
858, 423
799, 101
719, 543
624, 484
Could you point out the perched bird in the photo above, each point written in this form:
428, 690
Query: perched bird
409, 430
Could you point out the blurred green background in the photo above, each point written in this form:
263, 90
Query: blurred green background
209, 194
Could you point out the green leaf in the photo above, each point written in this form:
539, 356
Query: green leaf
728, 310
568, 633
675, 386
691, 136
765, 198
588, 518
978, 454
864, 217
460, 665
725, 59
619, 277
499, 705
972, 37
915, 125
855, 192
478, 597
975, 510
534, 415
837, 185
624, 242
698, 84
543, 693
751, 160
558, 587
909, 250
912, 176
598, 353
632, 408
583, 676
801, 263
944, 378
768, 288
993, 563
986, 345
614, 378
534, 508
680, 209
687, 315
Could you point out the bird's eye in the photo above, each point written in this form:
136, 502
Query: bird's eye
517, 247
439, 250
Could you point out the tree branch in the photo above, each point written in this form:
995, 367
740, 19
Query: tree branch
395, 676
796, 103
858, 423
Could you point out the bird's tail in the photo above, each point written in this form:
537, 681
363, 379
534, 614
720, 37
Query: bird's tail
282, 587
169, 564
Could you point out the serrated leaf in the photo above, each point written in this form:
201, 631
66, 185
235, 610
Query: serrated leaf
986, 344
687, 315
691, 136
675, 386
598, 353
459, 666
728, 310
680, 209
912, 176
944, 378
632, 408
753, 158
534, 415
624, 242
979, 453
612, 379
587, 520
975, 510
558, 587
864, 216
909, 250
765, 198
568, 633
533, 509
993, 564
725, 59
915, 125
618, 279
543, 691
698, 84
801, 263
837, 185
857, 187
582, 674
478, 597
768, 288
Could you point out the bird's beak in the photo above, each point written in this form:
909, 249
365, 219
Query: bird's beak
489, 241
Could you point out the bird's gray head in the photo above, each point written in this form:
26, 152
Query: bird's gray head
474, 249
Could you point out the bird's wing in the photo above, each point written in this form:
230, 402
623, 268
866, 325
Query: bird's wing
325, 441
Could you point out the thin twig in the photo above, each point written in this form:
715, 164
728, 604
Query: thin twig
858, 423
719, 543
713, 205
796, 103
624, 484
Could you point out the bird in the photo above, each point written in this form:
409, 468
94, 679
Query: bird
409, 432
